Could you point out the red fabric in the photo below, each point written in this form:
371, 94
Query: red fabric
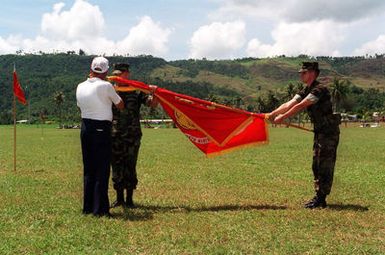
17, 90
211, 127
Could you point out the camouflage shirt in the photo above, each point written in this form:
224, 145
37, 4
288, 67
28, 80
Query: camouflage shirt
321, 112
126, 122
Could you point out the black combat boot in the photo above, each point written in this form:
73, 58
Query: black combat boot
129, 201
119, 198
311, 201
317, 201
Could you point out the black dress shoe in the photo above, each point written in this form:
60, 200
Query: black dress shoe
117, 203
129, 204
107, 215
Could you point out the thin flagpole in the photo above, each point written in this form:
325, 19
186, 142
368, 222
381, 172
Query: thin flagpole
14, 133
296, 126
14, 122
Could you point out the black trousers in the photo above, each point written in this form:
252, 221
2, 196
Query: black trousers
95, 139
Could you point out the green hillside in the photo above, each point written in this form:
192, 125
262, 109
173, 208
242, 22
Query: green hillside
249, 83
273, 73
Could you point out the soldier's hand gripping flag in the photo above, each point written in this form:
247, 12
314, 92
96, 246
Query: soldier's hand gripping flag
211, 127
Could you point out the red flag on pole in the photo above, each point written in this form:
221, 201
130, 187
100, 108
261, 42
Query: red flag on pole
19, 94
17, 90
211, 127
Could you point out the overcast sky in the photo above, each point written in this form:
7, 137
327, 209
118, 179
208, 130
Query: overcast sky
182, 29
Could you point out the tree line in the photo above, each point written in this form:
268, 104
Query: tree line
50, 80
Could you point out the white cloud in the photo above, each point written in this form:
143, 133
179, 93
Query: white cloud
337, 10
313, 27
249, 8
316, 38
82, 27
147, 37
301, 11
218, 40
82, 21
9, 44
373, 47
274, 27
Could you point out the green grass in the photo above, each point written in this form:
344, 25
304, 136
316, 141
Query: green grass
246, 202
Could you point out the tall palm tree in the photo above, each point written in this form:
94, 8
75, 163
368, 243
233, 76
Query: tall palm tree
272, 100
290, 91
238, 102
58, 97
339, 91
213, 98
260, 104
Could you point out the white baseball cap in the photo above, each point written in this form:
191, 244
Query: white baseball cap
99, 65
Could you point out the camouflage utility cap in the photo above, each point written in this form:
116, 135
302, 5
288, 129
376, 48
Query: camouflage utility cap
120, 68
308, 66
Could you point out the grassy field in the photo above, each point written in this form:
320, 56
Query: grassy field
246, 202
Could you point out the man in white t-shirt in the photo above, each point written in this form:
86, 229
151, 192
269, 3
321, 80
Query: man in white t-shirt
95, 97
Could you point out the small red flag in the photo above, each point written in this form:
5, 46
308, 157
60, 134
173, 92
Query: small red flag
17, 90
211, 127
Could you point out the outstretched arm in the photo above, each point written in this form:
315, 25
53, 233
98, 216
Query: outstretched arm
282, 109
293, 110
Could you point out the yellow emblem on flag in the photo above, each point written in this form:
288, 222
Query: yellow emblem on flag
183, 121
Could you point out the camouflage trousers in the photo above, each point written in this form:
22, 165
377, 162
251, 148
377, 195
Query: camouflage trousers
324, 159
123, 162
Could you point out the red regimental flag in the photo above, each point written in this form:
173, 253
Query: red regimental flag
17, 90
211, 127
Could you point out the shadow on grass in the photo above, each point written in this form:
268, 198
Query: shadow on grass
342, 207
211, 208
145, 212
132, 214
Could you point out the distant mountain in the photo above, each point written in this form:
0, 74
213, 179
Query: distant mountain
42, 76
248, 75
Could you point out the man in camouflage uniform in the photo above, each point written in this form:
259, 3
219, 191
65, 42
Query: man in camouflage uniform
315, 97
126, 136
